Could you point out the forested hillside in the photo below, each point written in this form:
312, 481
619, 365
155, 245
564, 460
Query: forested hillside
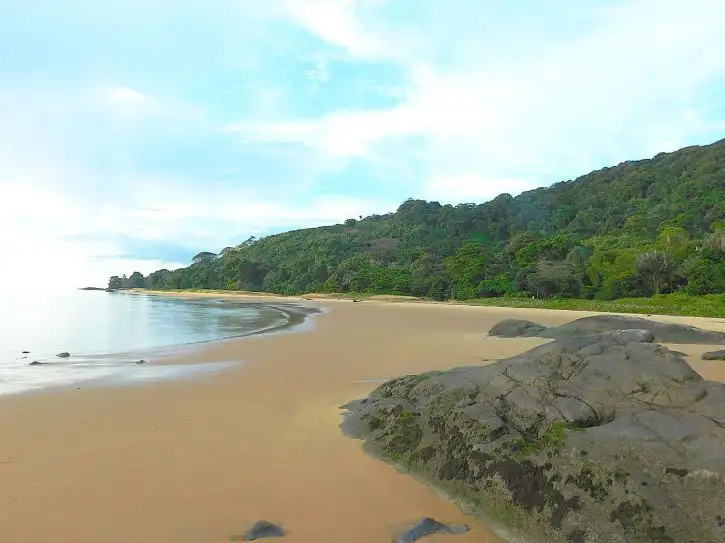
636, 229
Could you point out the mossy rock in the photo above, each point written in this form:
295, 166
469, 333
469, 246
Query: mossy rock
562, 443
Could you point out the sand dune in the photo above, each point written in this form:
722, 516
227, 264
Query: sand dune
198, 461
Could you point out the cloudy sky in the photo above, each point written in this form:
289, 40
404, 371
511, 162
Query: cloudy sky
135, 133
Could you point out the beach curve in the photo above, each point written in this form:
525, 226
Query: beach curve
197, 461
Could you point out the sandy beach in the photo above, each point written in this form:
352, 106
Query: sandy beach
199, 461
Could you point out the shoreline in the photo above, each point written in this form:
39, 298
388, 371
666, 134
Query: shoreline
167, 362
381, 299
195, 461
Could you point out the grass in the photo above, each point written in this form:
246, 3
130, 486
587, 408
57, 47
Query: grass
711, 305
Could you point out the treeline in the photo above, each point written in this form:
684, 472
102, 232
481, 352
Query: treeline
636, 229
136, 280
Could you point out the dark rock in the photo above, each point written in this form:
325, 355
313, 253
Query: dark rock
714, 355
140, 362
663, 332
602, 437
516, 328
63, 355
429, 526
36, 363
356, 301
260, 530
25, 352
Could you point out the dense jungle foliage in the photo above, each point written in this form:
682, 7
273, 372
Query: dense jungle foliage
637, 229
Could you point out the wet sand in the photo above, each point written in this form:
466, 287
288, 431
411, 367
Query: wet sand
199, 461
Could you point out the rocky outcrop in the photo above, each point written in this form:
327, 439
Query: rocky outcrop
607, 437
663, 332
714, 355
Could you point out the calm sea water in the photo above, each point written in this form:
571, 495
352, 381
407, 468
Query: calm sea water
107, 333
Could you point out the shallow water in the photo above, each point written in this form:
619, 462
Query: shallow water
106, 333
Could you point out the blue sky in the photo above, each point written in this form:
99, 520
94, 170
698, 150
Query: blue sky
134, 134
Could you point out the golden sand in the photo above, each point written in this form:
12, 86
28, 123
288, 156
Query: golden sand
195, 462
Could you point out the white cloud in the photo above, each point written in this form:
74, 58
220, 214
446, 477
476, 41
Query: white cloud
122, 94
336, 22
219, 217
630, 88
43, 232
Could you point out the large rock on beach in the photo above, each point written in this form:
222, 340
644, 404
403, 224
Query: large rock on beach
663, 332
63, 355
607, 437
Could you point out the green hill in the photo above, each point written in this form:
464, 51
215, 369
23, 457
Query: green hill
637, 229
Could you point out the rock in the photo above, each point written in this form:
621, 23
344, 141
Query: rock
714, 355
36, 363
260, 530
428, 526
663, 332
25, 352
516, 328
140, 362
63, 355
599, 438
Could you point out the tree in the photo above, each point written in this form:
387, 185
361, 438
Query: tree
204, 257
658, 268
553, 279
136, 280
115, 283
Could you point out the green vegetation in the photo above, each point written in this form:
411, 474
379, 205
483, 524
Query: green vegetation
711, 305
553, 439
645, 236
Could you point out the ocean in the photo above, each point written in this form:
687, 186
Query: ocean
106, 335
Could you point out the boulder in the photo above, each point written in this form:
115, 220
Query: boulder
600, 438
664, 332
714, 355
36, 363
63, 355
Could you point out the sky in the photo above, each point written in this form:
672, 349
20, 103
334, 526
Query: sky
134, 134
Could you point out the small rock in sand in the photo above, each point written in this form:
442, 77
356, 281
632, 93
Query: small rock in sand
140, 362
261, 529
63, 355
25, 352
36, 363
429, 526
